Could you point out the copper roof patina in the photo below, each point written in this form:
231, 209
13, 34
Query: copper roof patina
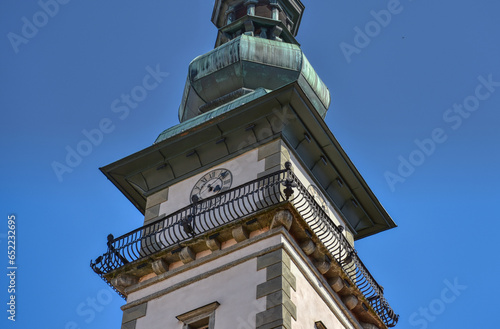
249, 63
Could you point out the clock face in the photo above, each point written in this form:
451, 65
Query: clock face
213, 182
318, 197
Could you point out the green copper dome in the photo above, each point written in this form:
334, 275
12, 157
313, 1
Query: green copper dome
244, 64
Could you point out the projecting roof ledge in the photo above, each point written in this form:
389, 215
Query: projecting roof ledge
197, 120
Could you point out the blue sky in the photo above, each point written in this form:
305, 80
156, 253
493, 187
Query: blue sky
416, 100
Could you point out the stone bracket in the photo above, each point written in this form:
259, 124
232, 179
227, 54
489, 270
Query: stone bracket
187, 255
240, 233
160, 266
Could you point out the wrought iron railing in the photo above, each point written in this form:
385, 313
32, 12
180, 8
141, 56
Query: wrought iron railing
208, 214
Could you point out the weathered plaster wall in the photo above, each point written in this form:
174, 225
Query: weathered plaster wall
234, 289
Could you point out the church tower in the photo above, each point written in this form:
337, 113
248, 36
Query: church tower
251, 207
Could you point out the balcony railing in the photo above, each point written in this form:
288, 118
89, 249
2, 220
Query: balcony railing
208, 214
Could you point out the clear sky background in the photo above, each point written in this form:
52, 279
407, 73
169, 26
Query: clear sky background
407, 107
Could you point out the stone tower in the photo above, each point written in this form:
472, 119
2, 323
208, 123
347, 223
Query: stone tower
251, 207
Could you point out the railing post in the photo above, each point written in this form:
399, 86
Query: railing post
289, 184
114, 251
94, 265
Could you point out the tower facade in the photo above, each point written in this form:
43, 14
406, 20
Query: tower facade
251, 207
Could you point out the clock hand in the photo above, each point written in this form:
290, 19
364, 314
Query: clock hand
203, 188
